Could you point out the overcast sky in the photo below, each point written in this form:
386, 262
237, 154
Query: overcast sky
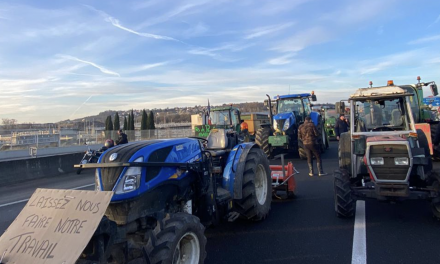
69, 59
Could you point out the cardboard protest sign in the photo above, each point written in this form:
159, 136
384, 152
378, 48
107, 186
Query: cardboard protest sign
54, 226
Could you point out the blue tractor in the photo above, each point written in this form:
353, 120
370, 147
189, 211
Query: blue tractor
167, 191
282, 133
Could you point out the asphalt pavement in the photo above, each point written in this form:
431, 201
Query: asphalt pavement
301, 230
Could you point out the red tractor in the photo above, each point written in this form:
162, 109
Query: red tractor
384, 156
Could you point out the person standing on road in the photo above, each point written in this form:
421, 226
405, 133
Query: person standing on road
122, 139
308, 134
341, 126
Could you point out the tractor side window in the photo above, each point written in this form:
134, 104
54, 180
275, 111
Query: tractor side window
234, 117
307, 109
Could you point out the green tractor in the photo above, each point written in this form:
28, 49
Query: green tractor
226, 117
330, 115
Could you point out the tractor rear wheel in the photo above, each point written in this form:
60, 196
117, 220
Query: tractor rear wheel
256, 188
321, 136
262, 140
178, 238
344, 202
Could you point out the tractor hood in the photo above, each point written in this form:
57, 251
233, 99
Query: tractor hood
284, 121
282, 116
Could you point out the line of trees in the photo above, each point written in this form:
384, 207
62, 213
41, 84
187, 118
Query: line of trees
147, 121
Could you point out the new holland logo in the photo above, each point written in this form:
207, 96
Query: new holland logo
113, 156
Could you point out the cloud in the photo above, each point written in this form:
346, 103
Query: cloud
286, 59
102, 69
173, 13
90, 97
386, 62
262, 31
303, 39
147, 67
215, 52
197, 30
115, 22
424, 40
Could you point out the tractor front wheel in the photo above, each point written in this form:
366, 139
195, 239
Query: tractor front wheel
344, 202
256, 188
262, 140
177, 239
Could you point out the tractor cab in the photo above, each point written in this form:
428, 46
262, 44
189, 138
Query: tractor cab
292, 109
226, 118
381, 109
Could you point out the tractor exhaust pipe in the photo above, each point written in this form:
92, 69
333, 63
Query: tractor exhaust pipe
269, 102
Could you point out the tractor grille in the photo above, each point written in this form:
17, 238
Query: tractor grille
280, 123
389, 171
109, 176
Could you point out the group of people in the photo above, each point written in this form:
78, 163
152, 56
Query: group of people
109, 143
309, 136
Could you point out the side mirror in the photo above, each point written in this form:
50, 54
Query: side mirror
340, 107
313, 98
266, 103
434, 89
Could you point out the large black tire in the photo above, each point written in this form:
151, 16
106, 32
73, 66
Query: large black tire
262, 140
321, 135
344, 202
257, 187
344, 151
174, 234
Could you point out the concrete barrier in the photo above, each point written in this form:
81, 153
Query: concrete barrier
16, 171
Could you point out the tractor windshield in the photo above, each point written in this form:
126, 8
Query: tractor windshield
381, 115
290, 105
331, 113
220, 118
331, 116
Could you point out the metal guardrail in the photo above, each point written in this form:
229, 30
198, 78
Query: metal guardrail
80, 141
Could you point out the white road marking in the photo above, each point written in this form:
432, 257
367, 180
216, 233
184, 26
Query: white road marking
25, 200
359, 254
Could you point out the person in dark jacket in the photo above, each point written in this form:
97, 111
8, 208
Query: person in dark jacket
122, 139
308, 134
341, 126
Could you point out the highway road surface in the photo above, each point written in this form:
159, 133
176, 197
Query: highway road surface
302, 230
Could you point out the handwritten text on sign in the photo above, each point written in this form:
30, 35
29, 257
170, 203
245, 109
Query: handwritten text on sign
54, 226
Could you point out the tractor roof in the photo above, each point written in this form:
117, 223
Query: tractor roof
375, 92
292, 96
223, 108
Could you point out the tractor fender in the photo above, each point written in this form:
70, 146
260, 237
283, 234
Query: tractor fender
315, 117
234, 169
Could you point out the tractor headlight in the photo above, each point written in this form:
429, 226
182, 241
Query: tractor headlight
275, 125
286, 125
131, 180
376, 161
401, 161
97, 181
